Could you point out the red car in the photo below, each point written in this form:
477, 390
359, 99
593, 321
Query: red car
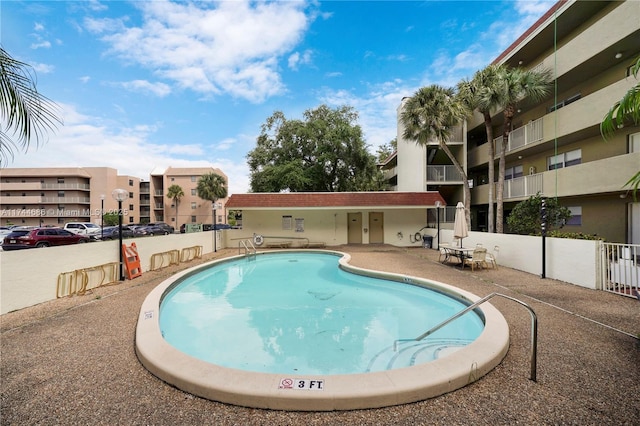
40, 237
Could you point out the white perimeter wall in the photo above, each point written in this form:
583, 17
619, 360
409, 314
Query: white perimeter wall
29, 277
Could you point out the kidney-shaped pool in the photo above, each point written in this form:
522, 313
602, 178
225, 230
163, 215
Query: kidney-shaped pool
304, 330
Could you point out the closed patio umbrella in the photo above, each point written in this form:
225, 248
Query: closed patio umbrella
460, 229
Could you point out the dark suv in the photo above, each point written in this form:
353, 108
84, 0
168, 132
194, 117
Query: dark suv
166, 229
41, 237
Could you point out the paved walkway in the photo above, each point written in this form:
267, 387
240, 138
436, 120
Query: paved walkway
72, 361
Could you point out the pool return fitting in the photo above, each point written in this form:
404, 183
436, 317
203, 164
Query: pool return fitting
534, 328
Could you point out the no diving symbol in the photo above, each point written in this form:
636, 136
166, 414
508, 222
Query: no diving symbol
286, 384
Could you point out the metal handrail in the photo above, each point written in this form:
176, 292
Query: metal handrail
247, 250
534, 328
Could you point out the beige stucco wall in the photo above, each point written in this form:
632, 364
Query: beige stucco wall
330, 225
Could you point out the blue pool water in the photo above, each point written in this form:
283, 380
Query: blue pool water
300, 313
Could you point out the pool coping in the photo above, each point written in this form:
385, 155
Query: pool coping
340, 392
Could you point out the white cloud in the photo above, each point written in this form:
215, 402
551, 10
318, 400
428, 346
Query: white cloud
85, 79
43, 68
143, 86
297, 59
42, 44
212, 48
38, 27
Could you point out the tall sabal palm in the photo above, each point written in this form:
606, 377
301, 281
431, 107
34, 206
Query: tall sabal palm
175, 193
484, 93
518, 84
431, 114
26, 114
212, 187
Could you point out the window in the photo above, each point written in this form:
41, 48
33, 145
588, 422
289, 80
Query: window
194, 192
194, 178
131, 195
130, 182
193, 219
60, 180
173, 179
130, 207
60, 193
567, 159
576, 216
513, 172
193, 205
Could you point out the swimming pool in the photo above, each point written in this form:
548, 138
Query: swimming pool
286, 341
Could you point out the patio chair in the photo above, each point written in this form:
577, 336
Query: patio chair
492, 258
444, 252
478, 258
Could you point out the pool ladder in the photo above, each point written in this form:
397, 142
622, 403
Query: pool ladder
534, 328
249, 248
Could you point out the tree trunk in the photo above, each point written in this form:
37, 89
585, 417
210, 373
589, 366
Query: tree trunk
508, 116
492, 154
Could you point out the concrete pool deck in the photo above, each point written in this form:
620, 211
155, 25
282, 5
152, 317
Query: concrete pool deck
73, 361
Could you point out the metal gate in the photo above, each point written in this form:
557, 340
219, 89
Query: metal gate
621, 268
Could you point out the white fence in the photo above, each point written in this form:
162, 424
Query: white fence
29, 276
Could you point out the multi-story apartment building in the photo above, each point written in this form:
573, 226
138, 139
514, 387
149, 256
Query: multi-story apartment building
55, 196
555, 146
191, 208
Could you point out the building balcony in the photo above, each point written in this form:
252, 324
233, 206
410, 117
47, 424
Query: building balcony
389, 173
595, 177
39, 186
585, 113
443, 174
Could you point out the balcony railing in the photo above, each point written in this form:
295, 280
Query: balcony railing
65, 200
524, 186
443, 173
65, 186
389, 173
528, 134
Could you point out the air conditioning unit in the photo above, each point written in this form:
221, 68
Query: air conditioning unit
532, 170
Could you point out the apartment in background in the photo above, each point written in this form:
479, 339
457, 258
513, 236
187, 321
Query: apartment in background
555, 147
55, 196
191, 208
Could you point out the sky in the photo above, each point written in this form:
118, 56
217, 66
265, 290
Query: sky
146, 85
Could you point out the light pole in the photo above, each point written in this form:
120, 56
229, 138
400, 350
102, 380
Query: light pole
101, 217
215, 220
120, 195
438, 204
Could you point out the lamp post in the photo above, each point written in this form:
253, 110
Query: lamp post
120, 195
438, 204
101, 217
215, 234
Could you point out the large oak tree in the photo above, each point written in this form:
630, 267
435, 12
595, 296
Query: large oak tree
324, 152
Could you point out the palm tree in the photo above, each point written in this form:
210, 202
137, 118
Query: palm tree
431, 113
517, 85
26, 114
483, 93
175, 193
212, 187
626, 109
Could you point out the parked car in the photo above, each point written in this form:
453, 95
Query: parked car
138, 230
170, 229
84, 228
218, 226
41, 237
152, 230
111, 232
